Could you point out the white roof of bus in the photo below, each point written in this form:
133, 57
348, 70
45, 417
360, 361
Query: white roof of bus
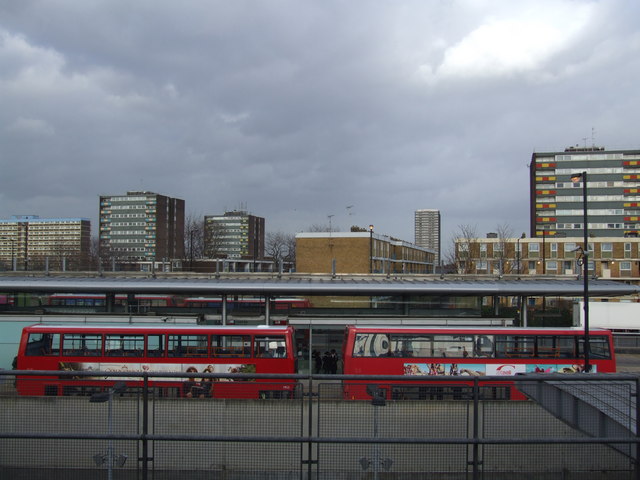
470, 329
112, 327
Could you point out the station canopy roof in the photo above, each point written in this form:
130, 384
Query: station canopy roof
308, 285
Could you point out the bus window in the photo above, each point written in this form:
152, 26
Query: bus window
231, 346
484, 346
359, 346
515, 346
598, 347
124, 345
372, 345
188, 346
270, 347
453, 345
566, 346
408, 345
43, 344
155, 346
79, 344
556, 346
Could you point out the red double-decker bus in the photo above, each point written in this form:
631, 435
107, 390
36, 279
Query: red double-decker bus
157, 348
466, 352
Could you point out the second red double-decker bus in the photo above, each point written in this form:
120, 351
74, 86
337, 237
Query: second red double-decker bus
247, 303
470, 352
191, 349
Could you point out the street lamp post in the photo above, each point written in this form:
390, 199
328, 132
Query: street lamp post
576, 178
544, 253
518, 254
13, 254
370, 248
191, 232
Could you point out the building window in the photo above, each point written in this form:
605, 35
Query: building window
534, 249
606, 250
569, 247
552, 265
627, 250
554, 250
625, 269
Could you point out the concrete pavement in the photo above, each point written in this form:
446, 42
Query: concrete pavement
628, 363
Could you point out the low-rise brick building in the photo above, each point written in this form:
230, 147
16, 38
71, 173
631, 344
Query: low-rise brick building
360, 252
609, 257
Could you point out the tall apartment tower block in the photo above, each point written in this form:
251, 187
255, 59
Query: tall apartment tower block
235, 234
141, 226
427, 231
613, 192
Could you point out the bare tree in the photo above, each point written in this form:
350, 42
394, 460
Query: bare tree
213, 237
449, 258
466, 244
105, 255
505, 234
94, 253
277, 246
291, 250
193, 238
316, 227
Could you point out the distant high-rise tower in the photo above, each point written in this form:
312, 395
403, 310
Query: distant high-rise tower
427, 228
613, 196
141, 226
235, 234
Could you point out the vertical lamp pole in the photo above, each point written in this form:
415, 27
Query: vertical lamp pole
13, 255
518, 254
370, 248
576, 178
191, 232
544, 254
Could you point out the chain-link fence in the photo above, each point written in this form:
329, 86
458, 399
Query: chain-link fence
319, 427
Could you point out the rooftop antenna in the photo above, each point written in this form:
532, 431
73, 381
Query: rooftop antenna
349, 212
330, 217
593, 137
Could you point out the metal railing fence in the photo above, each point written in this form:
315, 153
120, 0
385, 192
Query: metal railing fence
322, 427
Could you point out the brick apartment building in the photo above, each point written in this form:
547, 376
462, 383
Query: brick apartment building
609, 257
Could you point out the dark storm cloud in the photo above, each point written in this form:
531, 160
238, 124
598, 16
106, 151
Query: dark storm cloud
300, 109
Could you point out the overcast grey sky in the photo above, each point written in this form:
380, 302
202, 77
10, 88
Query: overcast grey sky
298, 110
